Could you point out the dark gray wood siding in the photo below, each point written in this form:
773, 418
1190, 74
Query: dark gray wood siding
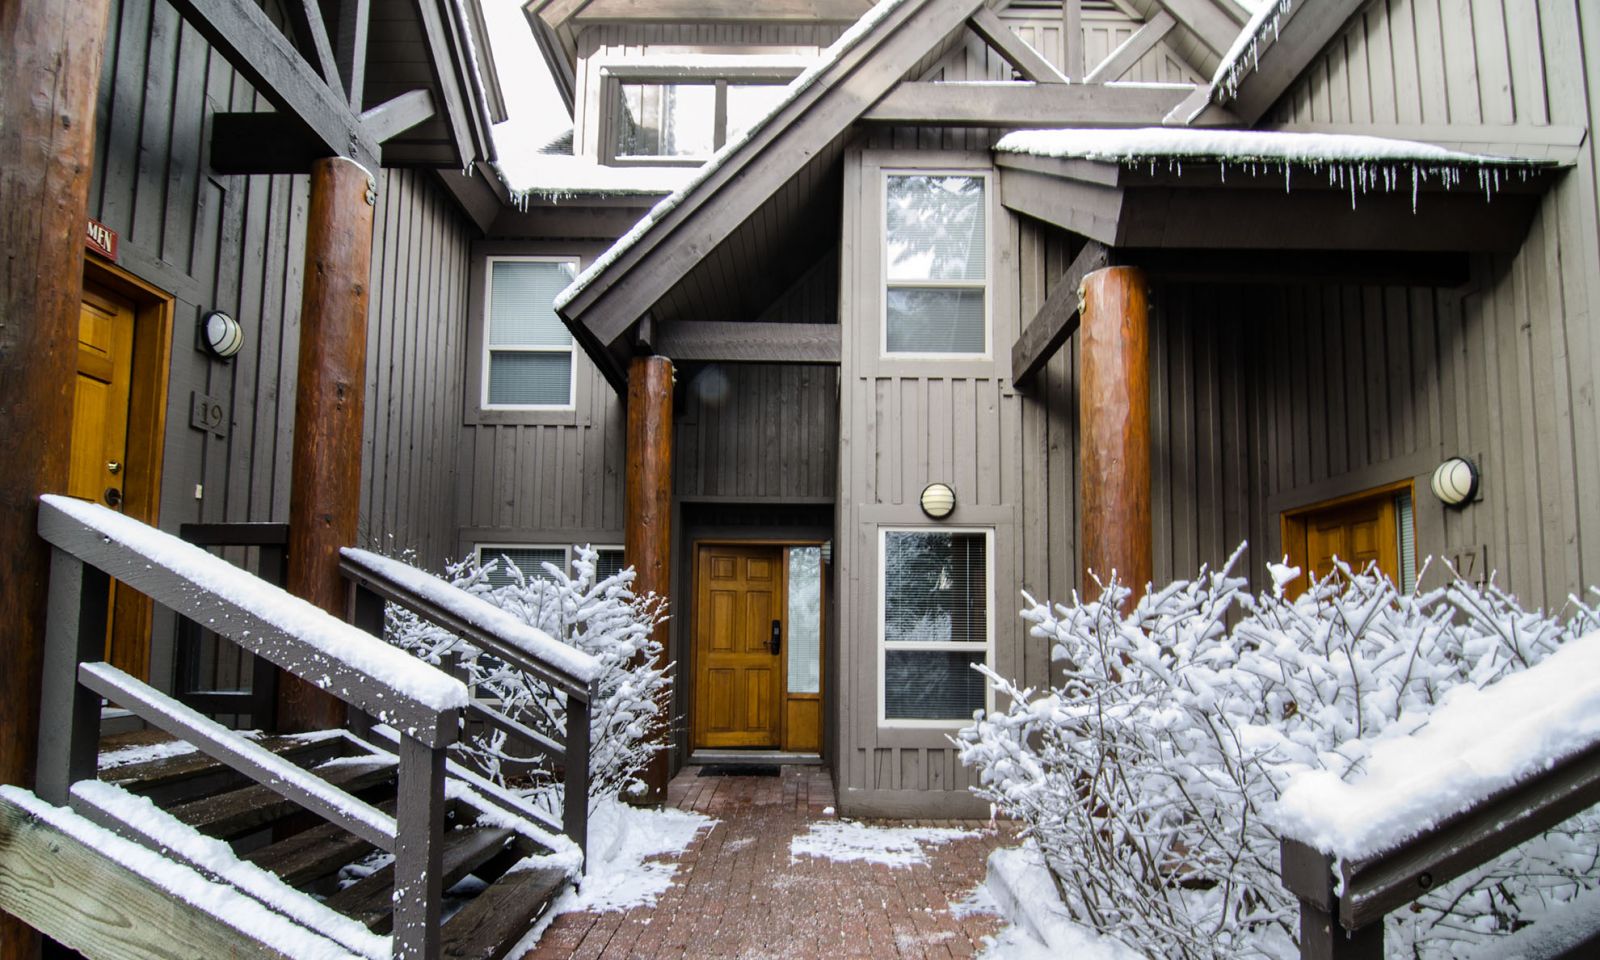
1519, 350
237, 244
1104, 29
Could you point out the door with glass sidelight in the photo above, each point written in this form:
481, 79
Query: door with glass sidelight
757, 647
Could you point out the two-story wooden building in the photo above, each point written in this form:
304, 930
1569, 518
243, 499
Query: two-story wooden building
991, 296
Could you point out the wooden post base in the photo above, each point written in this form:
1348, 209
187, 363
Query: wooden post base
325, 471
647, 534
1114, 430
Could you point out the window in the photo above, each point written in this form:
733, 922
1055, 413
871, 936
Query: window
687, 120
936, 265
530, 559
527, 350
936, 613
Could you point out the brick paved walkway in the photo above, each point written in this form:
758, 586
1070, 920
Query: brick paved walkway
739, 895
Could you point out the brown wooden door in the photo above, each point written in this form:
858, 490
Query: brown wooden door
738, 673
100, 401
98, 467
1359, 530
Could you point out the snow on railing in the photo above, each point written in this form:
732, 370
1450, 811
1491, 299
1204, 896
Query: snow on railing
1492, 767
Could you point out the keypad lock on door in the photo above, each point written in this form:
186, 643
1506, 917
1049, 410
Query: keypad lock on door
777, 636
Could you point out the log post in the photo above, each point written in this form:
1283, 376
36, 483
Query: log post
49, 79
1114, 430
647, 535
325, 470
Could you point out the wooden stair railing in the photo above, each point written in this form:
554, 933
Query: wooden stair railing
1343, 902
422, 708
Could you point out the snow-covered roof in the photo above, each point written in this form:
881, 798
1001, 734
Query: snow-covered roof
799, 85
558, 177
1245, 54
1478, 742
1237, 146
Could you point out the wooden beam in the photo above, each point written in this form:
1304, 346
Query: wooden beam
1211, 23
1023, 105
647, 525
1133, 49
49, 79
393, 117
1073, 57
1284, 54
450, 74
1088, 209
350, 42
306, 19
254, 46
325, 479
1057, 319
250, 143
1000, 38
713, 341
82, 896
1261, 266
1114, 432
555, 13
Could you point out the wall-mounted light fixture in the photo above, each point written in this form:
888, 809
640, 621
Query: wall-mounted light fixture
221, 334
1455, 481
938, 500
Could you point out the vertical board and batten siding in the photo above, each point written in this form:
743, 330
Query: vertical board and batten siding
753, 432
236, 244
1520, 349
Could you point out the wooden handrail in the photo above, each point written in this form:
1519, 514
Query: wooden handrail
1348, 924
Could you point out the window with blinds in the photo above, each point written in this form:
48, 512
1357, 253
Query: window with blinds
936, 619
936, 265
530, 559
528, 352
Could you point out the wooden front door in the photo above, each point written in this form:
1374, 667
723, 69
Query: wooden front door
98, 466
1360, 530
100, 400
738, 670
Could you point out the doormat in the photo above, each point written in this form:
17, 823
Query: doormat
739, 770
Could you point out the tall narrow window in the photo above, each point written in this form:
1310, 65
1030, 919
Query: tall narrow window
805, 619
936, 265
936, 617
528, 351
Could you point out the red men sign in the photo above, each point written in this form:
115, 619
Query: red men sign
101, 239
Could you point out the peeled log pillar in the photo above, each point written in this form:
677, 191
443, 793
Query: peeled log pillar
49, 77
1114, 430
325, 472
647, 534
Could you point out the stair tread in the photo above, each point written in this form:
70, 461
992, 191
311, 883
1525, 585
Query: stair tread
147, 775
315, 853
497, 918
370, 899
239, 811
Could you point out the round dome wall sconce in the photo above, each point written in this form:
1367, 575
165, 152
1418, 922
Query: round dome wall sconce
1455, 482
221, 334
938, 500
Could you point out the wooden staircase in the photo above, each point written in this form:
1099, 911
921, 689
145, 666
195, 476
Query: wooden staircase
498, 879
369, 842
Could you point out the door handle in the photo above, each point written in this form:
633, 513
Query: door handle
777, 637
113, 497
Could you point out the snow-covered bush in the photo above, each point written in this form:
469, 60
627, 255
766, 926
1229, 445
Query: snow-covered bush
1147, 773
601, 617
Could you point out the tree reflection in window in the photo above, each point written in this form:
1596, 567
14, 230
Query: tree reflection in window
936, 264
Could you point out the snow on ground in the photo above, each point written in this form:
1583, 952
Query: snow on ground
1019, 884
625, 869
844, 841
1476, 743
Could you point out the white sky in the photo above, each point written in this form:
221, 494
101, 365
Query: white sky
536, 112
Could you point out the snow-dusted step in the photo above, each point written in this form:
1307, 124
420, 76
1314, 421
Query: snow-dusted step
370, 899
311, 855
496, 919
238, 812
193, 773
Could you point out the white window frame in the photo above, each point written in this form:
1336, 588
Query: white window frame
478, 550
571, 349
885, 645
886, 284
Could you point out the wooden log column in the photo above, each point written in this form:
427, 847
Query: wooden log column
1114, 430
647, 537
325, 471
49, 78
